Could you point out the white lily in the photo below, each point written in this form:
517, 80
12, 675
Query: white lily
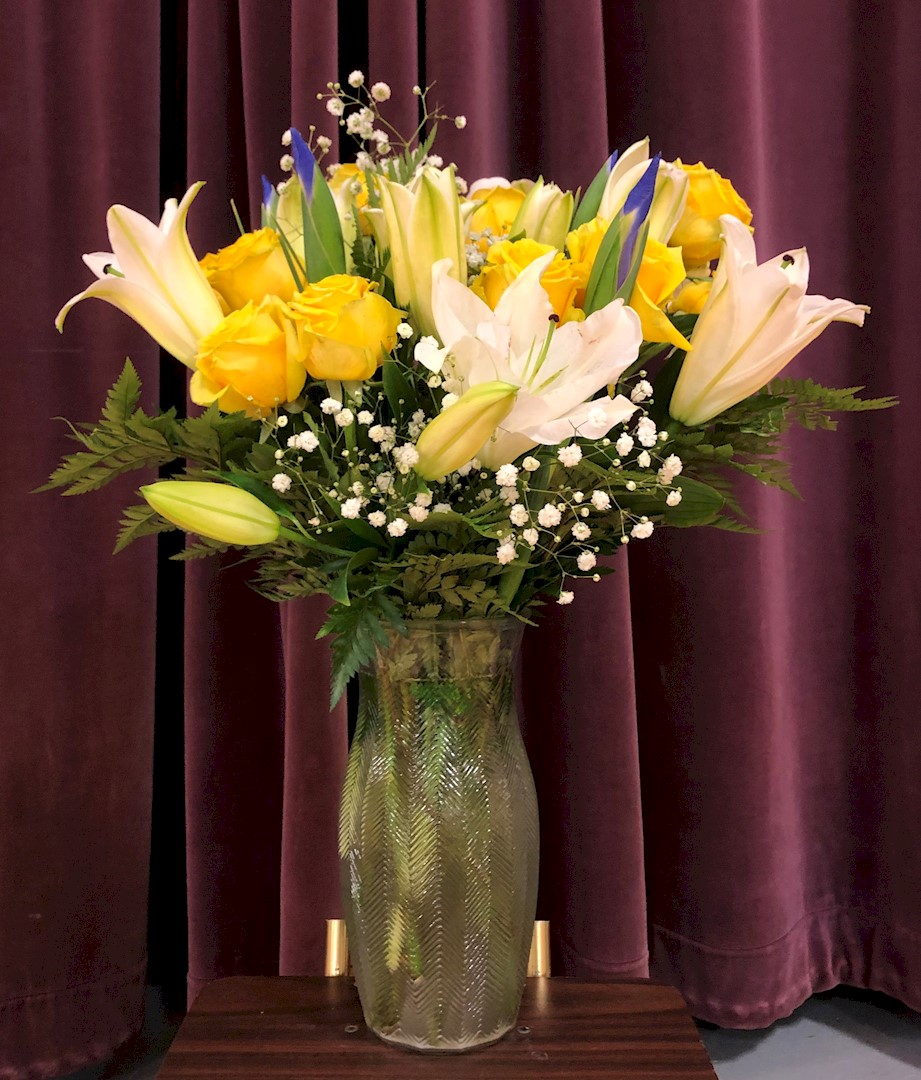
157, 279
755, 320
420, 225
558, 368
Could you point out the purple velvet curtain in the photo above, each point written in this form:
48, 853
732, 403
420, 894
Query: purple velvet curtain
723, 733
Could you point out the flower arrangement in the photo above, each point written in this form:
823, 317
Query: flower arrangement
430, 401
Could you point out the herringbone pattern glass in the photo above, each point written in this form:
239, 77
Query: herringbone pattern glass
439, 838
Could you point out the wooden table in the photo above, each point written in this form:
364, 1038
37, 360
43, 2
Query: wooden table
256, 1028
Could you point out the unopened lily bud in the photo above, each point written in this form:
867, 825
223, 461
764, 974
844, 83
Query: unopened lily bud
544, 215
454, 437
420, 225
218, 511
668, 201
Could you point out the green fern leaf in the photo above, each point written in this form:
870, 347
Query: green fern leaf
138, 521
123, 398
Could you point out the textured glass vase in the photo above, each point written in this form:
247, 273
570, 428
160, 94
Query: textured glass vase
438, 838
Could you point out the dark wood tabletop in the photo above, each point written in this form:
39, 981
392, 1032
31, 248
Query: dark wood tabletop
248, 1028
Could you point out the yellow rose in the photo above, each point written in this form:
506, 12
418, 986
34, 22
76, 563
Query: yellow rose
660, 273
698, 230
348, 328
252, 362
692, 297
506, 261
250, 269
499, 208
347, 174
583, 244
340, 184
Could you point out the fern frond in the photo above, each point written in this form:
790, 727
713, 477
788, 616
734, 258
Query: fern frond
138, 521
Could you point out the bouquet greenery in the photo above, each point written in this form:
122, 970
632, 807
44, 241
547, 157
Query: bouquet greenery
430, 401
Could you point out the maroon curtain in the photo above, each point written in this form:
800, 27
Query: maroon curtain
79, 112
723, 733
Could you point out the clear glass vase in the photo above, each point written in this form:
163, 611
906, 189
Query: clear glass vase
438, 838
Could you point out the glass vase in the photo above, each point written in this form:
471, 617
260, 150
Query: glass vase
438, 838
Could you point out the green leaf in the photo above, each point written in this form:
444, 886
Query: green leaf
138, 521
263, 492
591, 200
357, 631
602, 283
397, 389
324, 248
339, 589
700, 504
123, 398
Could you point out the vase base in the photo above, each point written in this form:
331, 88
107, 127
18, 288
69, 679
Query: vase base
419, 1047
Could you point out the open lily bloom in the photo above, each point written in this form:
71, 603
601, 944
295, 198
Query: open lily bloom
755, 320
559, 368
157, 279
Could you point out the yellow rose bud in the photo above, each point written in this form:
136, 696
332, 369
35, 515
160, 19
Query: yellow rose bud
347, 174
506, 261
250, 269
499, 206
218, 511
583, 244
698, 230
348, 328
692, 297
661, 272
349, 186
453, 438
252, 362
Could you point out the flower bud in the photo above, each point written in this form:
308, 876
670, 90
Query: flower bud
218, 511
545, 215
454, 437
668, 201
420, 225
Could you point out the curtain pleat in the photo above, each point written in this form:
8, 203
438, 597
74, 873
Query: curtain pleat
722, 733
77, 655
774, 685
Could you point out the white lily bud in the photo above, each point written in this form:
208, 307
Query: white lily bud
545, 215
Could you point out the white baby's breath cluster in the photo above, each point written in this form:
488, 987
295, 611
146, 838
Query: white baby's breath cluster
357, 109
539, 507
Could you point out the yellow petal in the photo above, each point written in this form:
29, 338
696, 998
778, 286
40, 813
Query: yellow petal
655, 323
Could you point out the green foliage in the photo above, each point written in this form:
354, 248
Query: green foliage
809, 404
701, 504
137, 521
591, 200
360, 630
402, 168
126, 438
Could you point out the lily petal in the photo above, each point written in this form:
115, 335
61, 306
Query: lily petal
756, 319
147, 309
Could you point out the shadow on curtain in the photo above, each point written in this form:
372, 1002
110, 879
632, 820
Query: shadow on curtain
723, 733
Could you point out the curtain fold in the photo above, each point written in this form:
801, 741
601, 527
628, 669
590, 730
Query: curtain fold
77, 656
722, 733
